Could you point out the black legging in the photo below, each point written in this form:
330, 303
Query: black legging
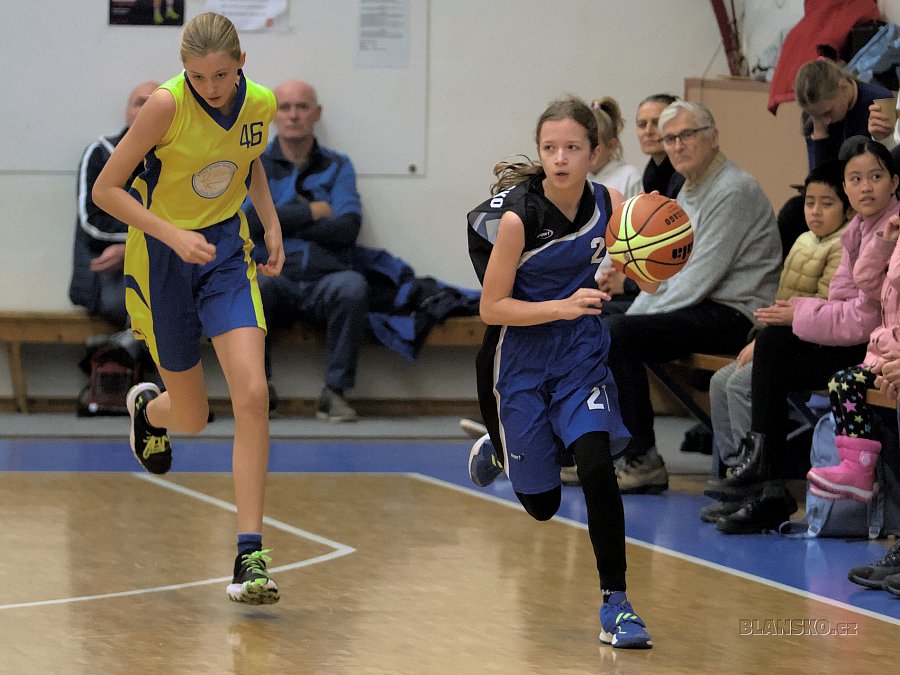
846, 393
605, 513
783, 363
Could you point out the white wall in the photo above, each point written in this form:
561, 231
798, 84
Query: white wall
761, 22
890, 10
493, 66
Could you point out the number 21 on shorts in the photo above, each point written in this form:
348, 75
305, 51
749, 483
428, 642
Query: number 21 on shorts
598, 400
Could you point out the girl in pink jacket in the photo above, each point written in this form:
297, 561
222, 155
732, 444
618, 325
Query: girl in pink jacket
804, 342
877, 275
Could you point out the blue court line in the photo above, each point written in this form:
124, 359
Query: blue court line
669, 521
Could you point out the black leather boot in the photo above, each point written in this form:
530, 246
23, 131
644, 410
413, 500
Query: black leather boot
748, 476
764, 511
712, 512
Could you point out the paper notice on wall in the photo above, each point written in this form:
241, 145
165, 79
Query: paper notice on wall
258, 15
383, 40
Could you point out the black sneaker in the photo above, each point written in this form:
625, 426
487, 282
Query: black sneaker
892, 584
251, 582
747, 477
150, 446
874, 575
720, 492
712, 512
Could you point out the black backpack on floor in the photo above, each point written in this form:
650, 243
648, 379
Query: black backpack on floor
113, 365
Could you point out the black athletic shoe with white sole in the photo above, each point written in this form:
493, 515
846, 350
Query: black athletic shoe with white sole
150, 445
251, 582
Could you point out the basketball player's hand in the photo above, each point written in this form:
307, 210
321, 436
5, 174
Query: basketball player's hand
610, 280
192, 247
779, 314
112, 258
272, 267
581, 302
746, 355
892, 229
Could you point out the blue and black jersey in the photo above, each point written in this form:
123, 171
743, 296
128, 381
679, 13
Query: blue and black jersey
542, 387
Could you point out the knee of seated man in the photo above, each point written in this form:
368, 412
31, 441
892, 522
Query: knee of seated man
353, 287
625, 331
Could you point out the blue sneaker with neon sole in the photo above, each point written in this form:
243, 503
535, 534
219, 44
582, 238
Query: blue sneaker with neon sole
484, 467
620, 626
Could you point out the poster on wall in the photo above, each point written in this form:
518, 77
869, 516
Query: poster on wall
383, 34
252, 15
146, 12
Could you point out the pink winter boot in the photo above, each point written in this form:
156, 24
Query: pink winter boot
854, 476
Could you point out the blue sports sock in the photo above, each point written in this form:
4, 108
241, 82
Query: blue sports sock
249, 542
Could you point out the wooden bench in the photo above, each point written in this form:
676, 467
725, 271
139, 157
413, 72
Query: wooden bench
713, 362
18, 329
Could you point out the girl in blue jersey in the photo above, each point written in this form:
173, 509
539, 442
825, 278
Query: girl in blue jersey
188, 270
544, 386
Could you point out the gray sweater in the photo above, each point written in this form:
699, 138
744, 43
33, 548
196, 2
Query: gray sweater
736, 260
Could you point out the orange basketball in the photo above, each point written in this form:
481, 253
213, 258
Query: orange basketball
649, 237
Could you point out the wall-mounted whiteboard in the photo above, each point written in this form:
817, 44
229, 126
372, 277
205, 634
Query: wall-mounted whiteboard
68, 74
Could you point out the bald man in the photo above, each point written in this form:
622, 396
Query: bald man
314, 190
99, 253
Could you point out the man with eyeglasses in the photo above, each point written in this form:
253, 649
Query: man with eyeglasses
708, 306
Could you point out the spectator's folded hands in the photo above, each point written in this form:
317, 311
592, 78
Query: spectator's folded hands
779, 314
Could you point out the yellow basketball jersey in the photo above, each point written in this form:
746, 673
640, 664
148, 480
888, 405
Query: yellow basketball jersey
199, 172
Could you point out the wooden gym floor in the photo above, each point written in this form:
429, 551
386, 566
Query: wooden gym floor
389, 562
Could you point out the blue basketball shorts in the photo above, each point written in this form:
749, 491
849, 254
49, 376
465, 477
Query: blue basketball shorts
553, 386
173, 304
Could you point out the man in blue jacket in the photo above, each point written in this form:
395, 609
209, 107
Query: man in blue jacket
314, 191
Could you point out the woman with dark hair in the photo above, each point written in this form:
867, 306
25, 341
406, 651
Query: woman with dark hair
659, 174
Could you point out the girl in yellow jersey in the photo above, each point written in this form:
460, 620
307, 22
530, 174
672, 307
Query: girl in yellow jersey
188, 270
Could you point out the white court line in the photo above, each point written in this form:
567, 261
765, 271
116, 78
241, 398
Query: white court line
340, 550
670, 552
